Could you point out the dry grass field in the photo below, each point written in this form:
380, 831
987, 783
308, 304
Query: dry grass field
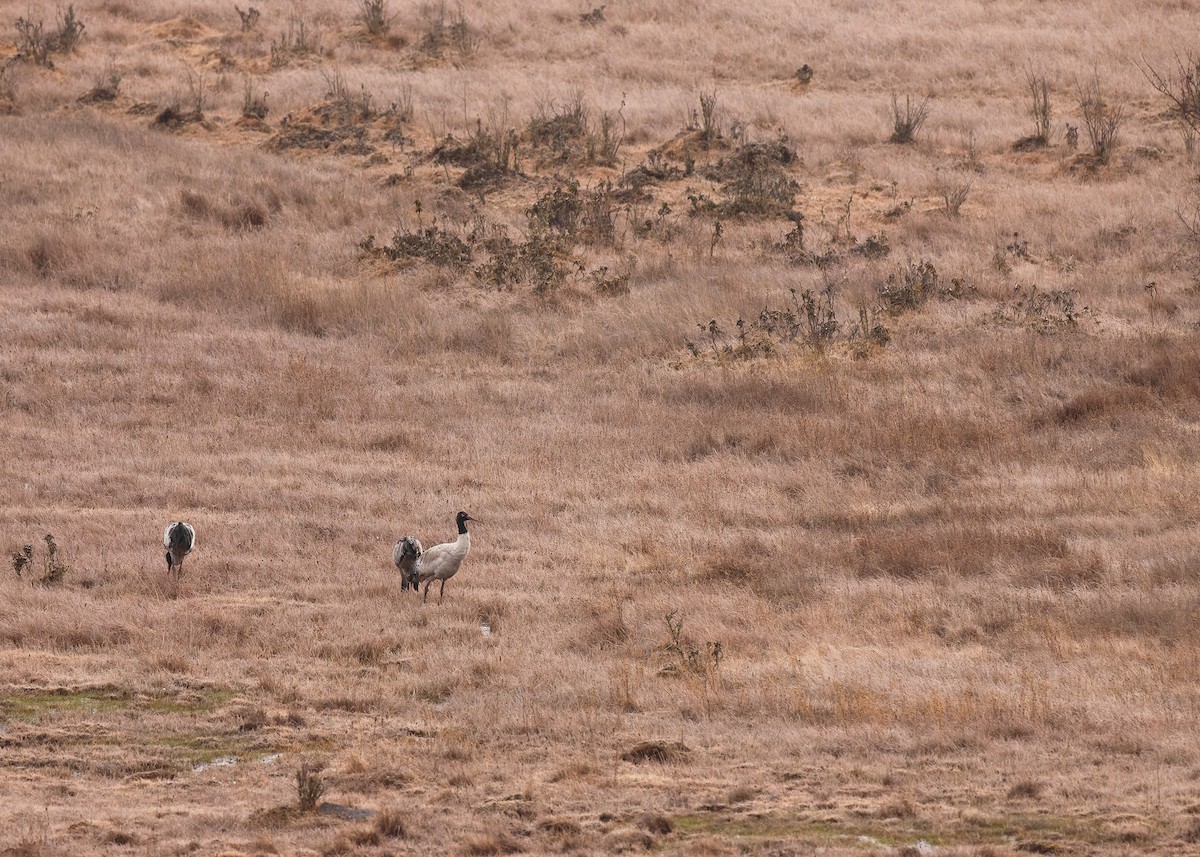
835, 495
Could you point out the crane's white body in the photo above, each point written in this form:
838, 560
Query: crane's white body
441, 562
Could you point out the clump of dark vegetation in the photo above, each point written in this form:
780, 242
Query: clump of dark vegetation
309, 786
1044, 312
54, 571
343, 139
806, 317
342, 104
1026, 789
685, 657
809, 317
254, 103
374, 17
709, 122
755, 180
655, 170
611, 284
489, 155
566, 211
914, 283
1015, 250
186, 110
558, 129
593, 18
572, 133
656, 751
432, 244
249, 18
35, 44
843, 245
907, 121
559, 220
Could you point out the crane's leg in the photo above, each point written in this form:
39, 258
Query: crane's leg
441, 592
428, 584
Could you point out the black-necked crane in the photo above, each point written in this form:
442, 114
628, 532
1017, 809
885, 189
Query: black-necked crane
406, 554
440, 562
179, 539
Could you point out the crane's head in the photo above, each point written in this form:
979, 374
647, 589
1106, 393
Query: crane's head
462, 519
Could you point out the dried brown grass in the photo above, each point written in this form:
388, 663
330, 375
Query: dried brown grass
924, 586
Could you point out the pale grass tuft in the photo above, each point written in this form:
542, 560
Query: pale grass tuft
482, 844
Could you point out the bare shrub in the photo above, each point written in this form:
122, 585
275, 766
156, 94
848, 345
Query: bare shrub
1039, 107
686, 657
605, 139
309, 786
710, 128
1038, 88
1181, 86
1102, 119
907, 121
106, 85
343, 104
254, 103
297, 41
33, 43
374, 16
560, 130
443, 33
70, 31
954, 191
186, 108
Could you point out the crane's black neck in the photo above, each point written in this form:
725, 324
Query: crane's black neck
462, 522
